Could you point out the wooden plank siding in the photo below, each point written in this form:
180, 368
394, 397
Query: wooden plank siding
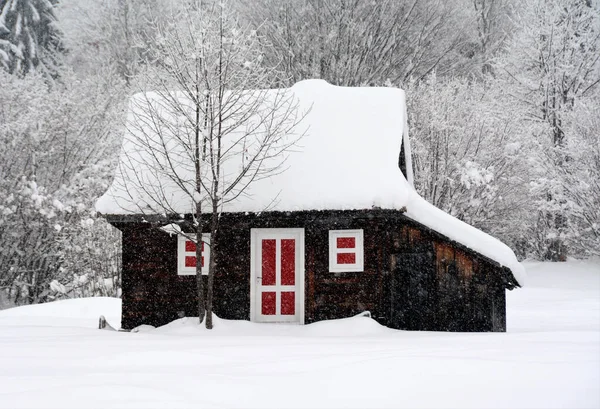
413, 277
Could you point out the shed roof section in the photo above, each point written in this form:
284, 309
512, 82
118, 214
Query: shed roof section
346, 159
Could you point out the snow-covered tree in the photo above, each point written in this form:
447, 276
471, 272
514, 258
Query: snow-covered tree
466, 154
494, 24
55, 159
358, 42
104, 37
29, 36
552, 63
580, 178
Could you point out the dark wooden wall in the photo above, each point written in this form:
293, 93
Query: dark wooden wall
152, 293
414, 278
438, 287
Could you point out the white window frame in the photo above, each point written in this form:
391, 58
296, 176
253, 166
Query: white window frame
182, 270
358, 266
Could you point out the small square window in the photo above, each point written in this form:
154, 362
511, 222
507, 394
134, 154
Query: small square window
186, 254
346, 251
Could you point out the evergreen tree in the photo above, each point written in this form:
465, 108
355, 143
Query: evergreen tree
29, 36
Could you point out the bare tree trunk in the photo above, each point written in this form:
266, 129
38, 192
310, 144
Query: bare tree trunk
199, 278
216, 169
214, 230
557, 250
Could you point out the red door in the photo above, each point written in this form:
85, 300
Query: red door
278, 275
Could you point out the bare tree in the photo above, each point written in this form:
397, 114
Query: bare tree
468, 158
208, 129
551, 65
493, 17
358, 42
102, 37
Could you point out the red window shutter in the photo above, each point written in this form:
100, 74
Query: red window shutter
346, 258
190, 261
190, 246
346, 242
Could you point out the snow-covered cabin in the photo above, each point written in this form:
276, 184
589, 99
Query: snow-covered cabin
341, 230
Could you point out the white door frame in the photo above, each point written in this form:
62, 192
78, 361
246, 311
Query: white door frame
280, 233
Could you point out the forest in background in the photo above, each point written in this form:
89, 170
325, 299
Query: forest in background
503, 100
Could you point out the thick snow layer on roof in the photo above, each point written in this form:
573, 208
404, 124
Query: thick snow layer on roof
347, 159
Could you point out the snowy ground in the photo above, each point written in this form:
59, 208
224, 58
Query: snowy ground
51, 356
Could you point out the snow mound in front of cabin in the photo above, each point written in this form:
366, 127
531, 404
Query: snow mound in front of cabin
357, 326
83, 312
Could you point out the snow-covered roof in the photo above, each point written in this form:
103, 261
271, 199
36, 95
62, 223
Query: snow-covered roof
347, 159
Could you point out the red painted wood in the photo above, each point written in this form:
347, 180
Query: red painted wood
190, 246
346, 242
346, 258
190, 261
288, 303
268, 303
268, 262
288, 262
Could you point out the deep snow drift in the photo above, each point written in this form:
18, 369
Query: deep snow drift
51, 356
